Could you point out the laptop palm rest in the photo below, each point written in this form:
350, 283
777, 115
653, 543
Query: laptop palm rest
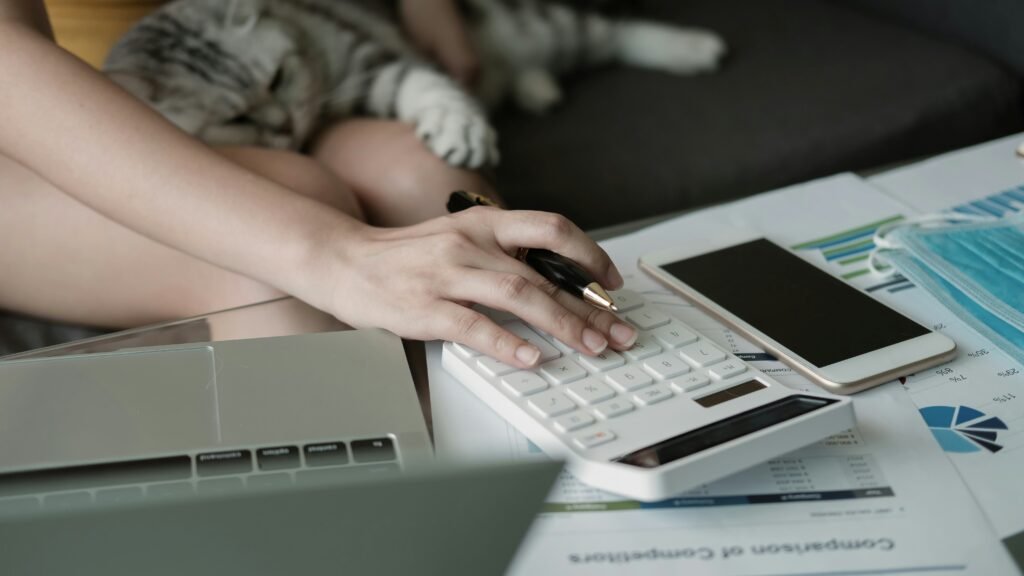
131, 403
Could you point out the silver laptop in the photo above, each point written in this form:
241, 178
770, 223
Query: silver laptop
296, 454
425, 523
207, 417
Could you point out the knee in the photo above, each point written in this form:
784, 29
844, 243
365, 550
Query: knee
300, 174
312, 179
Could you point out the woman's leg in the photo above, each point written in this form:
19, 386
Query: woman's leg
63, 261
397, 179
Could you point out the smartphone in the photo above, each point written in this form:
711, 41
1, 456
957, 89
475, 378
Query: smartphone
834, 334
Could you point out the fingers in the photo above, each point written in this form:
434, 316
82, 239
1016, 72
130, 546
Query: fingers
621, 335
516, 294
469, 327
527, 229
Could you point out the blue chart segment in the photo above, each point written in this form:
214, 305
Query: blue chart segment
1003, 203
963, 429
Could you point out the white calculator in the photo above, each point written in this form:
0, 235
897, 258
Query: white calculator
673, 412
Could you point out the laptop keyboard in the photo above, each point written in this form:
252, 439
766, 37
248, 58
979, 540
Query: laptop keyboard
221, 471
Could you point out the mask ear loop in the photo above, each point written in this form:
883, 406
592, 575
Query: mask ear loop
883, 243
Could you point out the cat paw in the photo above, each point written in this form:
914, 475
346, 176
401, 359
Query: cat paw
536, 91
460, 138
670, 48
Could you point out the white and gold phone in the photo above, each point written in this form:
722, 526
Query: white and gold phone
834, 334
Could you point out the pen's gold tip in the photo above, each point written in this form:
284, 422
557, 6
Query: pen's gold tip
596, 295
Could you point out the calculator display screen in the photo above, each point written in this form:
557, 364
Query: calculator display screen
725, 430
819, 317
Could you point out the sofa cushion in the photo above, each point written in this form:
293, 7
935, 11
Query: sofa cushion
810, 88
992, 27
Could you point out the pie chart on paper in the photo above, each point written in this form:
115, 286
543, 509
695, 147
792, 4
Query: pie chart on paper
963, 429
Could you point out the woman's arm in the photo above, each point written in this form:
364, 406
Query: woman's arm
31, 13
70, 125
90, 139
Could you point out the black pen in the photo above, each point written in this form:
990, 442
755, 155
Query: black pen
558, 269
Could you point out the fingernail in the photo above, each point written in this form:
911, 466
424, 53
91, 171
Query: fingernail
623, 334
594, 341
615, 277
527, 354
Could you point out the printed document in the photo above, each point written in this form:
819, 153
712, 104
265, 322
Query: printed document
883, 498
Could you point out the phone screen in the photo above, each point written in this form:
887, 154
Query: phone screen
817, 316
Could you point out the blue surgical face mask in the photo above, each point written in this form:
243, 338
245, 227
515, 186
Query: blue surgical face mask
976, 269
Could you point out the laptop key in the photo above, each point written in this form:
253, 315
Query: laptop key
344, 474
278, 458
220, 486
18, 505
275, 480
375, 450
67, 500
326, 454
170, 490
224, 463
119, 495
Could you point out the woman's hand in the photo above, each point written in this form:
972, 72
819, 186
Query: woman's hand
421, 281
437, 28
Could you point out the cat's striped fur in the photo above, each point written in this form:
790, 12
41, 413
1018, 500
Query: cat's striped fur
269, 72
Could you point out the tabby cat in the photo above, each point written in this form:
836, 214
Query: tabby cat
268, 72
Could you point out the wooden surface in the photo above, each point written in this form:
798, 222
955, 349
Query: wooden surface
88, 28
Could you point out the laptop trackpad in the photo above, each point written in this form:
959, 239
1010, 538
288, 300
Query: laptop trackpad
107, 406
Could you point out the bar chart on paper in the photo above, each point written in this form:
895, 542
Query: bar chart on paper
847, 252
1005, 203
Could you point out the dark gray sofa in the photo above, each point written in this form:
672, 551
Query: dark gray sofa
811, 87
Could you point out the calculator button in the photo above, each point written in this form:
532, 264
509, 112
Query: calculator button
665, 366
562, 371
614, 408
494, 368
645, 347
589, 391
547, 351
628, 378
626, 300
673, 335
595, 438
563, 346
702, 353
463, 350
573, 421
652, 395
602, 362
646, 318
524, 383
728, 369
690, 382
551, 404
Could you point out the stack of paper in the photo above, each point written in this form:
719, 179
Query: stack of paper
885, 498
